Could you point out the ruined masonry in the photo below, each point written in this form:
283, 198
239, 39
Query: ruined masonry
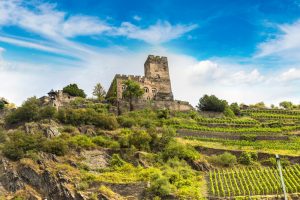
156, 84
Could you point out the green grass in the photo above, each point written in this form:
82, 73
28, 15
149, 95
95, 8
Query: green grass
291, 148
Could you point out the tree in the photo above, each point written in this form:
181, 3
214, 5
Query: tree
99, 92
211, 103
132, 91
73, 90
235, 108
29, 111
1, 105
286, 104
259, 105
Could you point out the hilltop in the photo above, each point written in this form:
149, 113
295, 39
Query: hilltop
84, 149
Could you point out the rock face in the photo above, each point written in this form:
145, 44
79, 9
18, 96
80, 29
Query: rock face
42, 179
95, 159
51, 186
49, 129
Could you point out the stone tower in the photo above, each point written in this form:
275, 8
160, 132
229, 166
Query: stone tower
157, 71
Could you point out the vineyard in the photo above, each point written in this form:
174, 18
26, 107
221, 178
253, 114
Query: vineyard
252, 181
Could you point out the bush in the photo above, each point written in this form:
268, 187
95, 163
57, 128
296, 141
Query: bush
226, 159
163, 114
105, 142
81, 142
2, 105
211, 103
73, 90
126, 122
175, 149
245, 158
228, 112
160, 185
87, 116
235, 108
47, 112
56, 146
140, 139
116, 161
20, 143
29, 111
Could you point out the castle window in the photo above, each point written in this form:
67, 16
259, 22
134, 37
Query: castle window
154, 91
123, 87
146, 89
157, 76
148, 98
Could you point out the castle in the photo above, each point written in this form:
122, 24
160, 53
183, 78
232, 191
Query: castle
156, 84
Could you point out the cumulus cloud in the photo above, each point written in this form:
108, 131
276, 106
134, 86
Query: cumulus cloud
290, 75
22, 80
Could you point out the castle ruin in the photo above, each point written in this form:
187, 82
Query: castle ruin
156, 84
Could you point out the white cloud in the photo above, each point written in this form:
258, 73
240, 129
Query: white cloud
158, 33
44, 19
83, 25
222, 73
285, 43
290, 75
30, 44
190, 77
137, 18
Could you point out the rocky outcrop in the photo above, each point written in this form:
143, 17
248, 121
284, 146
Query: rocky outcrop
9, 178
95, 159
49, 128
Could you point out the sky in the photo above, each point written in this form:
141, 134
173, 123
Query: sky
241, 51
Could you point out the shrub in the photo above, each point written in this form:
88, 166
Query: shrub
81, 142
73, 90
226, 159
116, 161
29, 111
1, 105
160, 185
20, 143
56, 146
105, 142
87, 116
235, 108
249, 137
211, 103
163, 114
272, 162
47, 112
126, 122
181, 151
228, 112
3, 136
140, 139
245, 158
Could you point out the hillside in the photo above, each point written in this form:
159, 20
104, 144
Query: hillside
84, 150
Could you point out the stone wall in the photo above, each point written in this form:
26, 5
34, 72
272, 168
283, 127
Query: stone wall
183, 106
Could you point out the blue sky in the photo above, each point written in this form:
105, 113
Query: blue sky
245, 51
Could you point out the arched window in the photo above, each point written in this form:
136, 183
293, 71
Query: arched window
123, 87
148, 98
154, 91
146, 89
